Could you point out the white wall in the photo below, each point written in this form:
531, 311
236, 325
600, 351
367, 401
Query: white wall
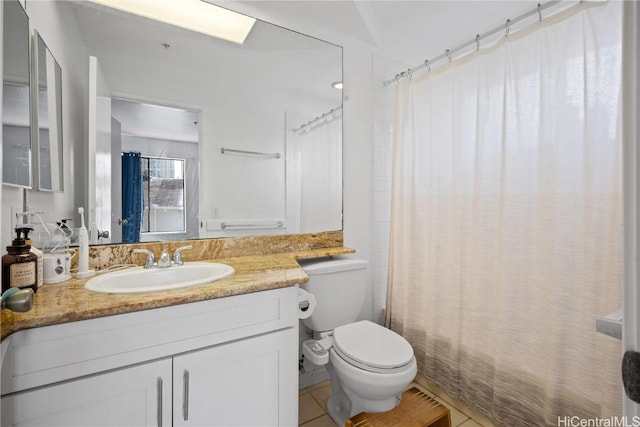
60, 33
383, 113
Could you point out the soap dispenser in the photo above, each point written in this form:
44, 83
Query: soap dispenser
19, 265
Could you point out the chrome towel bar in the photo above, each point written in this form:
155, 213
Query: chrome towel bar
254, 153
225, 225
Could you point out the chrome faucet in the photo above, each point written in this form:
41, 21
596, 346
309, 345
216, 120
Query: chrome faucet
164, 260
150, 261
177, 254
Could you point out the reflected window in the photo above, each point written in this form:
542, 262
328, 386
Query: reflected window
164, 195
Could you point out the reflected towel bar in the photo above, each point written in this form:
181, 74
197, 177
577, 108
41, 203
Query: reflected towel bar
255, 153
225, 225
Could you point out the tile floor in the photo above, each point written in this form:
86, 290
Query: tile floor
313, 410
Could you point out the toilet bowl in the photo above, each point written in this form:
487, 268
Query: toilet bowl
369, 366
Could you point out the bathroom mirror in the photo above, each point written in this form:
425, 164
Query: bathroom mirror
16, 124
251, 98
47, 119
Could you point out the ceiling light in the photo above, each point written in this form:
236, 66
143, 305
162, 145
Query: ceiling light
337, 85
194, 15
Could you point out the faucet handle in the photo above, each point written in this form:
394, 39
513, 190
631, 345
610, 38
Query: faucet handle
177, 254
150, 258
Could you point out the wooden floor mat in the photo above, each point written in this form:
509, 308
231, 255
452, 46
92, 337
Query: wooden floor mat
416, 409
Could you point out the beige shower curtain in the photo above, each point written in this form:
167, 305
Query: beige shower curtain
507, 224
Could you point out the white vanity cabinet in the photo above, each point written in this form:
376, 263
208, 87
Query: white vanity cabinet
135, 396
241, 389
222, 362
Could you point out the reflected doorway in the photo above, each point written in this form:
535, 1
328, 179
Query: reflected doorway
168, 141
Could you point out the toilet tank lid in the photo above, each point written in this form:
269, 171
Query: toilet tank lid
332, 265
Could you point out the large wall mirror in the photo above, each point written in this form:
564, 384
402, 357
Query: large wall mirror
16, 124
268, 131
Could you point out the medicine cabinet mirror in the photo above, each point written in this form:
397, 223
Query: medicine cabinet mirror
16, 124
47, 118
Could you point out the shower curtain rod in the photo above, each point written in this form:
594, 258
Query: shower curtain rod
324, 116
476, 40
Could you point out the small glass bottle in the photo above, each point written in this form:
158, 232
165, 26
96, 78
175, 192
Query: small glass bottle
19, 265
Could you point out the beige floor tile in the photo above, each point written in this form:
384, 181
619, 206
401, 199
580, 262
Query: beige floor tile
308, 408
323, 421
321, 395
469, 423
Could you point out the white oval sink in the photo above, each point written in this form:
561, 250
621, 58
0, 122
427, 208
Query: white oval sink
141, 279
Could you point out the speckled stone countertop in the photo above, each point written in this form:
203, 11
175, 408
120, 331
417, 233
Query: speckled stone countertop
70, 301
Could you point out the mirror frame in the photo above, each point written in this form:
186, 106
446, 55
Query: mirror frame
40, 50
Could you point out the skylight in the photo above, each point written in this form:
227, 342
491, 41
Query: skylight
194, 15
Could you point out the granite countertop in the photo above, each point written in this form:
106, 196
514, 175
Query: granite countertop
70, 301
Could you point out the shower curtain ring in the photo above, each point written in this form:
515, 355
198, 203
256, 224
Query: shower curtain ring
427, 65
507, 28
477, 42
398, 78
448, 52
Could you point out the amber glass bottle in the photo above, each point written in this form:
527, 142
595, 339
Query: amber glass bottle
19, 265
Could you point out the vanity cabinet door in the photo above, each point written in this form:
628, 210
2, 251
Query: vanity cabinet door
136, 396
249, 382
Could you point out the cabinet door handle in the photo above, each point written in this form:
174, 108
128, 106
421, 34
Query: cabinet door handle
185, 396
159, 402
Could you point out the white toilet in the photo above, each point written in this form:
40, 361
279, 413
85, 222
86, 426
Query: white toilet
369, 365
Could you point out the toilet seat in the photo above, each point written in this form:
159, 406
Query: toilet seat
372, 347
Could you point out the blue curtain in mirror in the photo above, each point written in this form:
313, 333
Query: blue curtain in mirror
132, 197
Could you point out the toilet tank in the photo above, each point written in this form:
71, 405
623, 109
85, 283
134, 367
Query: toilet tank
339, 286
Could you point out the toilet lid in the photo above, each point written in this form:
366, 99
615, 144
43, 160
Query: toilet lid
372, 345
